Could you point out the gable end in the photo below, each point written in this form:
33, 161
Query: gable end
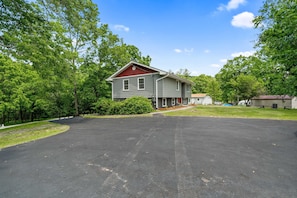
134, 69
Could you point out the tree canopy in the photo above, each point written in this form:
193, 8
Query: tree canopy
278, 38
235, 75
56, 56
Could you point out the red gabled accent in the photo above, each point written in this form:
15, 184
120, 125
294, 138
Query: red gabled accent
133, 70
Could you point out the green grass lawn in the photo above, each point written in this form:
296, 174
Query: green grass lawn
29, 132
238, 112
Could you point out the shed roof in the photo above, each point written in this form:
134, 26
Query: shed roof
199, 95
273, 97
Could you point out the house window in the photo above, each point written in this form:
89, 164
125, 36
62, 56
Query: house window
141, 85
164, 102
173, 101
177, 85
188, 88
126, 85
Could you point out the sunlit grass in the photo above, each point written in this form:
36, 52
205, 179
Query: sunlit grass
238, 112
29, 132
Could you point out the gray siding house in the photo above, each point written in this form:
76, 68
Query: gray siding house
163, 88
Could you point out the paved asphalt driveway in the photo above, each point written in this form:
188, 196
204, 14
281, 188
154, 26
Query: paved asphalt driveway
156, 157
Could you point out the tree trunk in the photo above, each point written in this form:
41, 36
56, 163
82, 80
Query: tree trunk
75, 99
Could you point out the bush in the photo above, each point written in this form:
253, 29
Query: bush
102, 106
137, 105
134, 105
116, 108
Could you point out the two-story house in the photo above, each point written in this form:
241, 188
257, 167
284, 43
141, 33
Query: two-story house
163, 88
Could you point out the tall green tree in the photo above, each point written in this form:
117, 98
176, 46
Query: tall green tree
201, 83
113, 53
246, 87
184, 73
17, 15
264, 70
20, 96
30, 37
80, 20
213, 90
277, 40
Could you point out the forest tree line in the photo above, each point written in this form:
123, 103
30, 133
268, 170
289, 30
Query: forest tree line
55, 57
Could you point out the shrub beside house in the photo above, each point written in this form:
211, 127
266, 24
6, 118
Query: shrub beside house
133, 105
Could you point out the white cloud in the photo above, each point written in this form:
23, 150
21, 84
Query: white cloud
232, 4
178, 50
121, 28
221, 8
215, 65
206, 51
236, 54
243, 20
246, 53
223, 60
188, 51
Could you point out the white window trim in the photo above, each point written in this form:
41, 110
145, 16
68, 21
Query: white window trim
173, 101
177, 84
164, 104
124, 84
143, 83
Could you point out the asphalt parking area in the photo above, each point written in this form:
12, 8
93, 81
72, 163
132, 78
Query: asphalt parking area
156, 157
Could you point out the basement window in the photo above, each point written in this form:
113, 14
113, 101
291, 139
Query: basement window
164, 102
173, 101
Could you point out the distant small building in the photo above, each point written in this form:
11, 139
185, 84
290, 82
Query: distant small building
201, 98
275, 101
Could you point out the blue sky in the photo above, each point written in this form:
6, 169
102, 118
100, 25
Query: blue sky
199, 35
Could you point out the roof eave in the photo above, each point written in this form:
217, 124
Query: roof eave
181, 79
161, 72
